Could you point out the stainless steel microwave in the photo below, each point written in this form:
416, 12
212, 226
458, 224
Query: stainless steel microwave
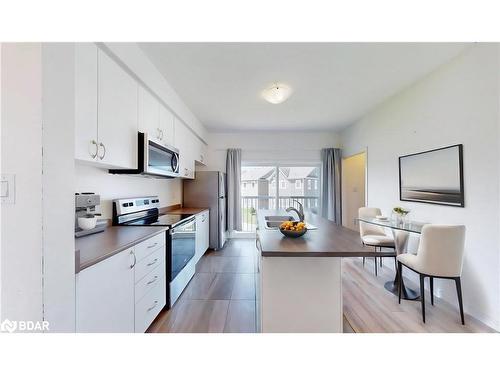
154, 160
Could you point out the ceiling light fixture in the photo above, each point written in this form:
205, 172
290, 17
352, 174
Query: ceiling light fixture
277, 93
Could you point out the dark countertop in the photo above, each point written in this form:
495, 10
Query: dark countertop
329, 240
94, 248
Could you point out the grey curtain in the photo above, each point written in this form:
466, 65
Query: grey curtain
331, 207
233, 170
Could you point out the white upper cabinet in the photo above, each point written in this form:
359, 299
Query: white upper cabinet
201, 151
184, 141
155, 119
105, 110
86, 101
149, 114
117, 114
111, 107
166, 126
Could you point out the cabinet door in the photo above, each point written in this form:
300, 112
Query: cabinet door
166, 126
202, 234
149, 113
86, 101
200, 154
105, 295
184, 141
117, 115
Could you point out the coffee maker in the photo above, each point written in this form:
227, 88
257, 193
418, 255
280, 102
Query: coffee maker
85, 209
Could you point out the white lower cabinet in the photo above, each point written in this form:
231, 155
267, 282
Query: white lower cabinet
105, 295
202, 234
147, 309
125, 292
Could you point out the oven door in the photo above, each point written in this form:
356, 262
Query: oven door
183, 245
159, 159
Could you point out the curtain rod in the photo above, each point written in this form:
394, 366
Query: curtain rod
269, 149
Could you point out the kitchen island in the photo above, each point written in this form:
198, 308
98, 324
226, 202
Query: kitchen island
299, 280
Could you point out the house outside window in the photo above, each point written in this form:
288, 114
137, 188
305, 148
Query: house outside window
309, 186
298, 184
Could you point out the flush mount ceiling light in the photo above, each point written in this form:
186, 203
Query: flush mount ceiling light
277, 93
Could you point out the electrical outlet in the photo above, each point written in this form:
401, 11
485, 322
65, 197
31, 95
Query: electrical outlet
8, 188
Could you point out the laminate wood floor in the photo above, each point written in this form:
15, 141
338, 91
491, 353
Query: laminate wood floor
369, 307
221, 298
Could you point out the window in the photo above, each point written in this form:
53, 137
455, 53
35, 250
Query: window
315, 184
271, 191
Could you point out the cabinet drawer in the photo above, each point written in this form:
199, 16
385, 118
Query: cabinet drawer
146, 247
148, 308
150, 281
149, 263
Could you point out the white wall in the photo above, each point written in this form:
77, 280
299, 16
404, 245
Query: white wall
458, 103
109, 186
58, 186
268, 147
21, 138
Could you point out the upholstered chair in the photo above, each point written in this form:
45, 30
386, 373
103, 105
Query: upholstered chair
373, 235
440, 255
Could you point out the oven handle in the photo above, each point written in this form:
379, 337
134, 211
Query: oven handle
182, 223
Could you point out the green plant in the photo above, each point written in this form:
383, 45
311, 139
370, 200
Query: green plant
400, 211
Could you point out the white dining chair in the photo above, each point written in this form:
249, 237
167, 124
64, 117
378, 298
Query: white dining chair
374, 235
440, 255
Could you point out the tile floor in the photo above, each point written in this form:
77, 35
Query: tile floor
221, 295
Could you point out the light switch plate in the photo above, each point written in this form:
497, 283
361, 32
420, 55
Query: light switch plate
8, 188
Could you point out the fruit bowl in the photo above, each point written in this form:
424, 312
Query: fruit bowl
299, 229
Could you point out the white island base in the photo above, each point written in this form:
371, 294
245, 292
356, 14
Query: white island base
299, 294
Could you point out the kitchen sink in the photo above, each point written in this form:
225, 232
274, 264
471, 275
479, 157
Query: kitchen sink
279, 218
274, 222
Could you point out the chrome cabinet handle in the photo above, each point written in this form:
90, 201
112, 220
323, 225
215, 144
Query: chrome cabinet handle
153, 262
152, 281
135, 260
104, 150
93, 142
152, 307
153, 245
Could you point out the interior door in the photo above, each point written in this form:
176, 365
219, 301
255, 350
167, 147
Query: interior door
353, 189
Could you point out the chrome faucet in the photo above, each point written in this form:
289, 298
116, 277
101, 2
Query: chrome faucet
299, 212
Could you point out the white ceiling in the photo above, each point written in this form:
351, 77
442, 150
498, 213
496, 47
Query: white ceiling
334, 83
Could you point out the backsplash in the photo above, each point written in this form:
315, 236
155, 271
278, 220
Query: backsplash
109, 187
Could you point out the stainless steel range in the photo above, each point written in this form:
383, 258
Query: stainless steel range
181, 235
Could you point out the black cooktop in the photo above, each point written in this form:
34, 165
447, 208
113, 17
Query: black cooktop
166, 220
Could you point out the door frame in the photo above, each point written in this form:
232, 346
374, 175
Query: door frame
363, 151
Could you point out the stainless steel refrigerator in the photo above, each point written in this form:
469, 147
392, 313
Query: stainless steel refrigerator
208, 189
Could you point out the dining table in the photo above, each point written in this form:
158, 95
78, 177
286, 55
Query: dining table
401, 230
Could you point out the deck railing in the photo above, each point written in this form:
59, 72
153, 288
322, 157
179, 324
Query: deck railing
250, 205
